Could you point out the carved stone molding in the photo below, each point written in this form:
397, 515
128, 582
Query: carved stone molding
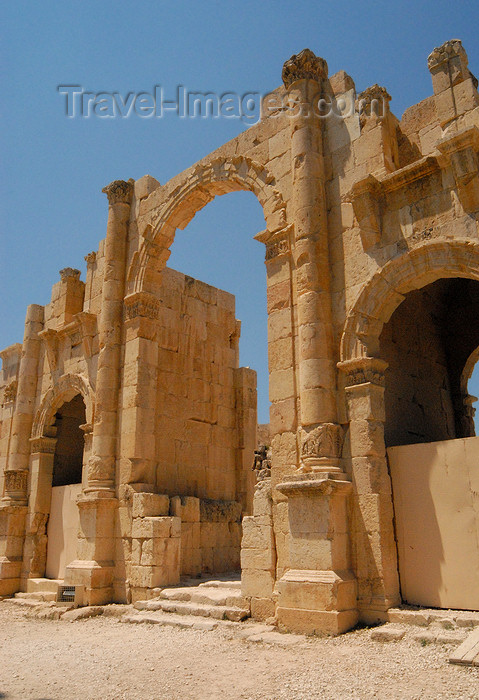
363, 370
141, 304
304, 66
119, 191
366, 197
43, 444
50, 338
461, 151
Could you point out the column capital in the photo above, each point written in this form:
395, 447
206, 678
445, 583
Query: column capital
119, 191
304, 66
16, 486
43, 444
363, 370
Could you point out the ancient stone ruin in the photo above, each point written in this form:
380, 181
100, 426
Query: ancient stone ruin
128, 430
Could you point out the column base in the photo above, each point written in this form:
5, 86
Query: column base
317, 602
12, 538
96, 577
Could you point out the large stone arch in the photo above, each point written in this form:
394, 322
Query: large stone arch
193, 190
68, 386
388, 287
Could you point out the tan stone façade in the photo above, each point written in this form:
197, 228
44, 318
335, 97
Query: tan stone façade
372, 276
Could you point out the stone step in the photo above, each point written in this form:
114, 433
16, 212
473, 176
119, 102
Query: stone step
236, 584
218, 612
163, 618
43, 585
425, 617
41, 596
206, 595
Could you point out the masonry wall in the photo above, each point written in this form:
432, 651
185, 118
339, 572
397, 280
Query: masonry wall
196, 418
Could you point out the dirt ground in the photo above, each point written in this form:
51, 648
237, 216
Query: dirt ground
101, 658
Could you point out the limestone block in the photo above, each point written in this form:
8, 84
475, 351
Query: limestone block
255, 583
145, 186
262, 608
150, 504
160, 552
259, 558
256, 535
163, 527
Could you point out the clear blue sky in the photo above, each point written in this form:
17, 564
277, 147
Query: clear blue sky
54, 168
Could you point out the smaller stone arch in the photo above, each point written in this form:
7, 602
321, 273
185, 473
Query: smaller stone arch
187, 194
68, 386
388, 287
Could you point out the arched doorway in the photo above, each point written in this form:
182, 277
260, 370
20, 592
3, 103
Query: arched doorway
427, 343
363, 373
63, 520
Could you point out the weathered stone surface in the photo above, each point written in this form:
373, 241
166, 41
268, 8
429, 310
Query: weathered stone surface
128, 388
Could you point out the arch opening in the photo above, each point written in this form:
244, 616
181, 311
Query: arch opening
226, 227
68, 457
427, 343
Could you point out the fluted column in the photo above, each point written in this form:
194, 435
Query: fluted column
101, 465
320, 433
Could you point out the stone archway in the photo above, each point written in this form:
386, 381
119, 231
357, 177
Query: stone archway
363, 379
170, 207
184, 196
43, 445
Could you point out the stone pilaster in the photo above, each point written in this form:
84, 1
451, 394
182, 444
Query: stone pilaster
13, 506
303, 76
41, 476
374, 556
139, 392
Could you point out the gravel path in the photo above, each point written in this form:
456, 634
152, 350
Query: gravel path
100, 658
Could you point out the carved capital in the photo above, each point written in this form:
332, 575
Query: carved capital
321, 447
119, 191
43, 444
304, 66
141, 304
90, 258
69, 272
448, 51
363, 370
277, 243
16, 484
373, 101
10, 392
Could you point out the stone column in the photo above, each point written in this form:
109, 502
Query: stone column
373, 544
319, 436
96, 543
101, 466
317, 592
13, 506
